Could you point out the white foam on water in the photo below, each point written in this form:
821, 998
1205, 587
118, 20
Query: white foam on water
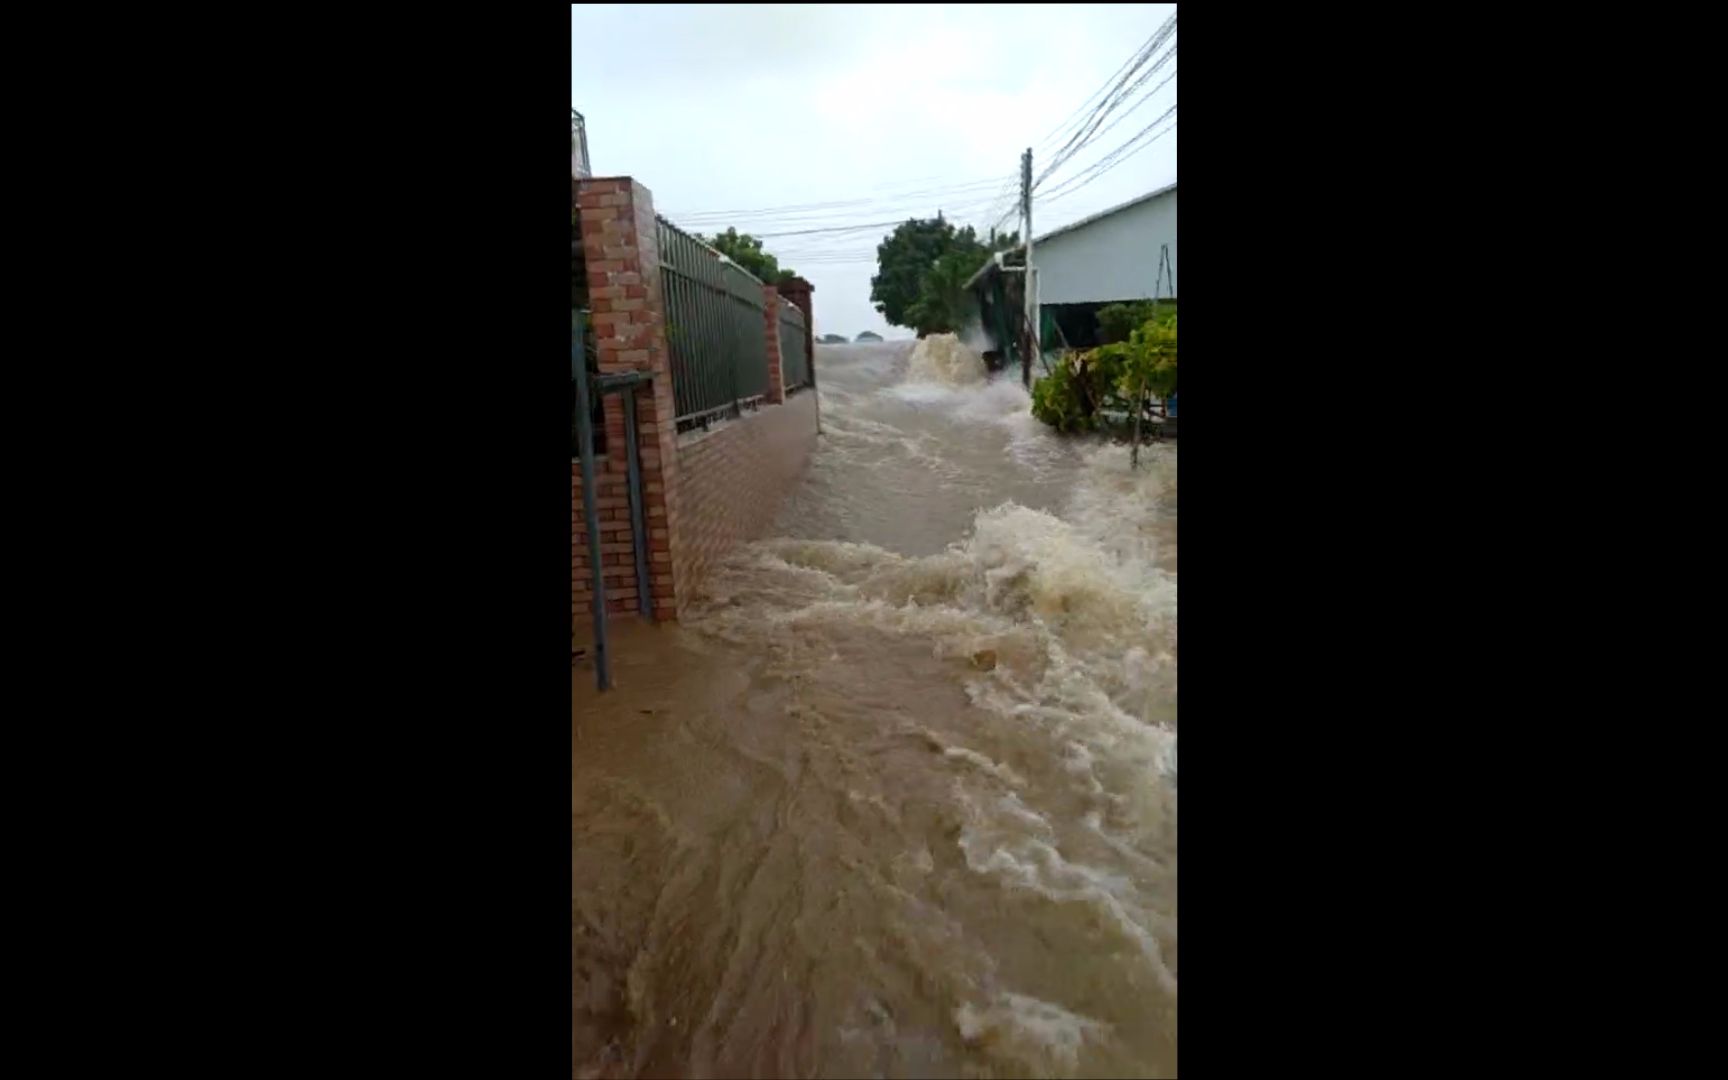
993, 768
994, 402
1028, 1031
996, 846
1080, 608
945, 360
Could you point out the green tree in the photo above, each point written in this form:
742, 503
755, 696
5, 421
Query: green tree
1148, 370
1117, 321
908, 257
902, 260
746, 251
942, 301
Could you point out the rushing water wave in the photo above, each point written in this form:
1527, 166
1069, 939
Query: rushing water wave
898, 798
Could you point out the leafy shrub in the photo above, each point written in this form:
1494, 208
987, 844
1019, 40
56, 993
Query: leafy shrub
1148, 362
1120, 378
1082, 386
1057, 399
1117, 321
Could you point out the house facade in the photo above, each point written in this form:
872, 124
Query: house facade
1112, 256
1122, 254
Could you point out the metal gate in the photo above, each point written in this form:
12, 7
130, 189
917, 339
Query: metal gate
625, 384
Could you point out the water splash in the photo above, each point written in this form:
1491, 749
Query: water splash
946, 361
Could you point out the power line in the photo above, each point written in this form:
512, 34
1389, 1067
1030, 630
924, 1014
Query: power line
1113, 155
799, 209
1144, 98
1108, 97
1004, 199
925, 208
1110, 161
872, 217
889, 191
1090, 120
836, 229
1145, 47
1083, 132
1094, 132
848, 225
839, 216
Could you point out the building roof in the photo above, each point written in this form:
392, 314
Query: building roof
990, 264
996, 263
1083, 222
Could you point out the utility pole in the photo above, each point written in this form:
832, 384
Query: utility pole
1029, 280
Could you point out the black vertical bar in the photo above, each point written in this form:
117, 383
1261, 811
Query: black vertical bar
701, 301
815, 391
585, 440
731, 309
701, 264
701, 267
640, 532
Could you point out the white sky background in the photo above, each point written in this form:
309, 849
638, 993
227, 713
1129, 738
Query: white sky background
896, 110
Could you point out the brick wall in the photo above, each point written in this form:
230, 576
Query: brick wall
617, 554
621, 256
771, 331
704, 493
733, 480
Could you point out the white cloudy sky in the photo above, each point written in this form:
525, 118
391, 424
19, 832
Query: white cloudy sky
747, 115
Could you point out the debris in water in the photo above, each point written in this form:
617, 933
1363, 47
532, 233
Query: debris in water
984, 659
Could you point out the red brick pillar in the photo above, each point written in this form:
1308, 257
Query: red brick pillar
776, 373
798, 291
621, 250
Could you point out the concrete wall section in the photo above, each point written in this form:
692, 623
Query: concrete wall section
732, 481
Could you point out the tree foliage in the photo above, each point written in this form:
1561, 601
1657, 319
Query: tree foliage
1148, 361
746, 251
912, 286
1061, 398
941, 305
1121, 378
1117, 321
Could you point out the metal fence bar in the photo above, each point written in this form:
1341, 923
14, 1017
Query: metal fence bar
579, 166
639, 528
715, 330
794, 361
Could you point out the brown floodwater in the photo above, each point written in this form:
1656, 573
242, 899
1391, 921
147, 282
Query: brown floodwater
898, 798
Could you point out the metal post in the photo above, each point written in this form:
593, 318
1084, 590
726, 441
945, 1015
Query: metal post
1029, 285
585, 450
644, 604
810, 347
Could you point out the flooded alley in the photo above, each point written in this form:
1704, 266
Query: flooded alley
898, 797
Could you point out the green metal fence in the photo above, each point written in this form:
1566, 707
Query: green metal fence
794, 351
715, 330
579, 167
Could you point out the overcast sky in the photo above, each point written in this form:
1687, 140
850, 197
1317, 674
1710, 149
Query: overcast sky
746, 115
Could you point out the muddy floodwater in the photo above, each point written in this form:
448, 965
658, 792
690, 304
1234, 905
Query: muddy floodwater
898, 798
